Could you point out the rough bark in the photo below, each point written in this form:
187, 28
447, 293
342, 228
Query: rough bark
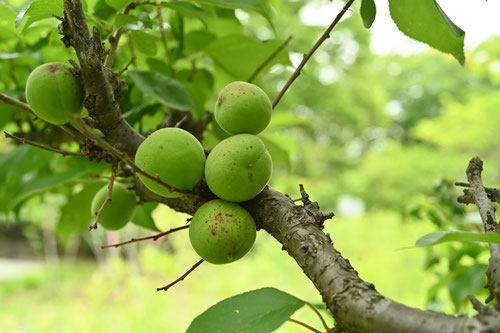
354, 303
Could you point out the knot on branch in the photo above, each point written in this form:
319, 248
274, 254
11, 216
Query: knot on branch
312, 208
95, 152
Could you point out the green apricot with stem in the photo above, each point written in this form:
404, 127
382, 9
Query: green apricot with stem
243, 107
238, 168
117, 212
53, 92
173, 154
222, 232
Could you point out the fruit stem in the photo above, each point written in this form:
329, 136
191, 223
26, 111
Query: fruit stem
182, 277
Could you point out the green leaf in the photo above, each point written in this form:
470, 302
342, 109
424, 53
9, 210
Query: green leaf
459, 236
122, 19
258, 311
144, 42
118, 4
368, 12
143, 216
22, 160
75, 214
240, 55
167, 91
39, 10
278, 153
426, 22
135, 114
256, 5
466, 281
40, 184
187, 9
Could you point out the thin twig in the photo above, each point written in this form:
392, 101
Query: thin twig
304, 325
108, 197
18, 104
55, 150
115, 39
153, 237
320, 41
269, 59
68, 128
124, 157
179, 123
165, 44
126, 66
328, 329
182, 277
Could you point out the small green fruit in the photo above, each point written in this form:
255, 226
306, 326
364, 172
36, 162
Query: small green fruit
119, 211
222, 232
238, 168
173, 154
53, 92
243, 107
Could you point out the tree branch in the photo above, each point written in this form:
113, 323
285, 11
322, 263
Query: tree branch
153, 237
306, 57
55, 150
487, 212
269, 59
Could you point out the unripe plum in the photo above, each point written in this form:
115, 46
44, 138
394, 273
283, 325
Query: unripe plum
117, 212
222, 232
173, 154
243, 107
53, 92
238, 168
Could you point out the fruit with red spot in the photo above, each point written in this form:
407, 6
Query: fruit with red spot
238, 168
222, 232
243, 107
53, 92
173, 154
117, 212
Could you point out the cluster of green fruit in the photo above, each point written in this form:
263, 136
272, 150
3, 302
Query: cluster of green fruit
236, 170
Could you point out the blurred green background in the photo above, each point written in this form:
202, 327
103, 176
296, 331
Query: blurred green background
377, 138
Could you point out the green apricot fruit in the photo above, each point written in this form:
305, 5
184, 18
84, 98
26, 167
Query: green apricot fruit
119, 211
222, 232
173, 154
238, 168
53, 92
243, 107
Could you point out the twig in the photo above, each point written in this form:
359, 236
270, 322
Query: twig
493, 193
153, 237
320, 41
304, 325
55, 150
487, 212
269, 59
165, 44
108, 197
115, 39
68, 128
18, 104
179, 123
124, 157
182, 277
328, 329
126, 66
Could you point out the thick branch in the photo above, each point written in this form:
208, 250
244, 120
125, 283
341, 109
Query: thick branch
355, 304
487, 212
100, 83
